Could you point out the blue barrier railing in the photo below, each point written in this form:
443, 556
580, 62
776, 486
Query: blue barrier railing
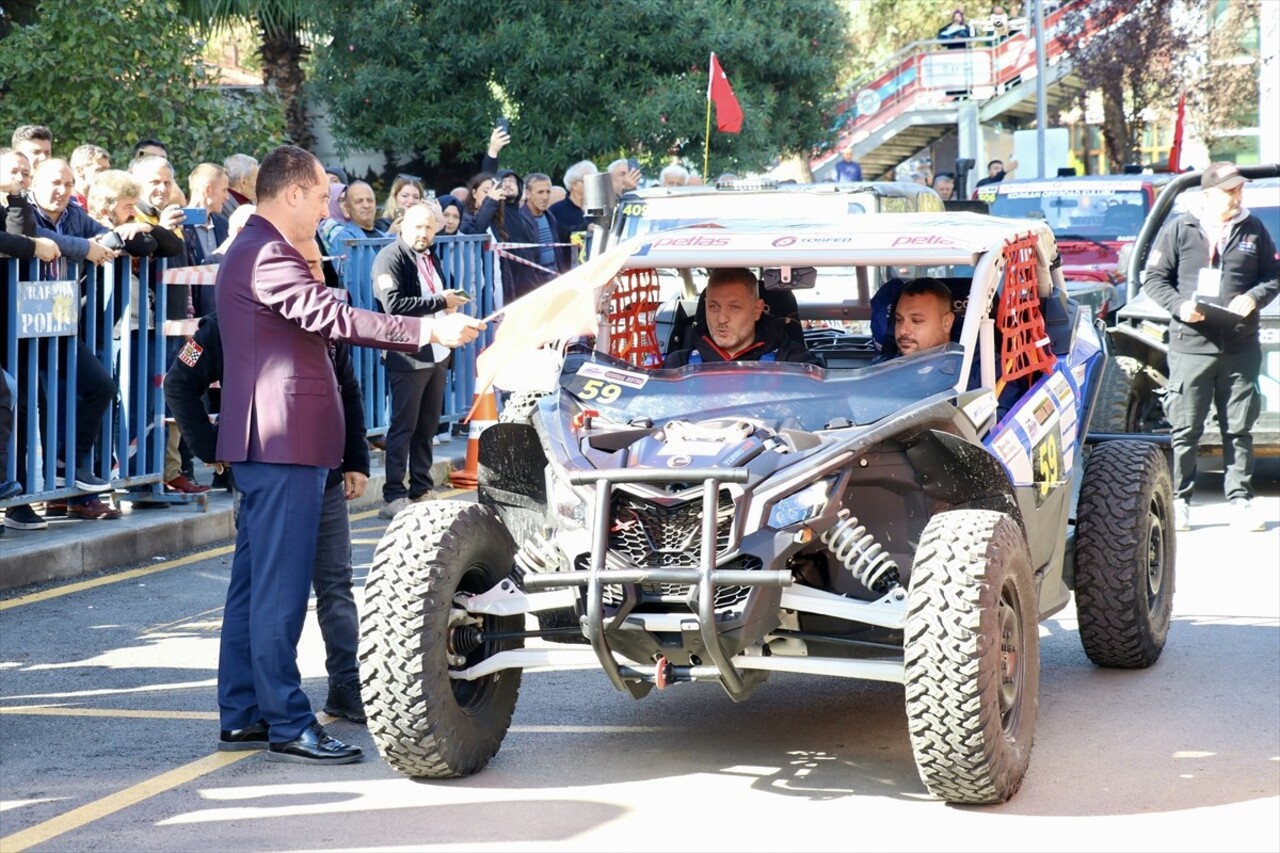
69, 324
99, 315
467, 266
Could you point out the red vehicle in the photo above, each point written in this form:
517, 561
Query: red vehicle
1093, 217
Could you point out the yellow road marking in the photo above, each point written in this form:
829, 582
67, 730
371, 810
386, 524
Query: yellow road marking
113, 803
123, 576
64, 711
157, 628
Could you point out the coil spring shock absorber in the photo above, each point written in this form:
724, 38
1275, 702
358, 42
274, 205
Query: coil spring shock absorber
854, 546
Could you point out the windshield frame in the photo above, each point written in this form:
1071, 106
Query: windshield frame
782, 395
1012, 203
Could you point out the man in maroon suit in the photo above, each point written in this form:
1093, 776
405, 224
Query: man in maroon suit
282, 429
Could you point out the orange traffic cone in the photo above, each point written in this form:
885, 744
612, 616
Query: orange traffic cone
484, 414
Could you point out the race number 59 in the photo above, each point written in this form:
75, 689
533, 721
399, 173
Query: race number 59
1047, 461
598, 389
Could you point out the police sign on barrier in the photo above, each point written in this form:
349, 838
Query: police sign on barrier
75, 331
48, 309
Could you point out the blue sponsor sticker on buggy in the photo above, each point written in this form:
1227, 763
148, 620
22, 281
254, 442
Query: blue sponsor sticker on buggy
1036, 442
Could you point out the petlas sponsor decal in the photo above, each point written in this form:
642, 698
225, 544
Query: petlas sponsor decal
694, 242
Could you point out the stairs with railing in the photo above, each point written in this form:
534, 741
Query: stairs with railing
914, 98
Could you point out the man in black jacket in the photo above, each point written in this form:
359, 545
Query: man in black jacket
1225, 258
737, 328
407, 280
197, 366
81, 239
17, 240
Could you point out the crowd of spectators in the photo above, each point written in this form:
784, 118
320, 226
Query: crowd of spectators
85, 210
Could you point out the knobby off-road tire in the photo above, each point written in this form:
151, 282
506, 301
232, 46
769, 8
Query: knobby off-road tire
1118, 407
1125, 553
972, 657
424, 723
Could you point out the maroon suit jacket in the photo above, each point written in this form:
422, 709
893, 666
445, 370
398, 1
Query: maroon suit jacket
280, 397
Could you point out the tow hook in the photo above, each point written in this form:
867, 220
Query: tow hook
663, 673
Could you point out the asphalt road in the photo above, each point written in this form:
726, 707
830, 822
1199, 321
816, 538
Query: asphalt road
108, 722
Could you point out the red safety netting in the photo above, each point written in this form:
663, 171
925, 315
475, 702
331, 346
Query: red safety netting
1025, 348
632, 311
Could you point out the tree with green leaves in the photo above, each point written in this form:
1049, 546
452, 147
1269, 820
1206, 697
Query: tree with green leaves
1133, 52
111, 72
425, 80
1224, 95
881, 28
281, 25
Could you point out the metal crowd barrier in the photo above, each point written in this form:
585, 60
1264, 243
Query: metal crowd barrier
53, 309
56, 315
468, 266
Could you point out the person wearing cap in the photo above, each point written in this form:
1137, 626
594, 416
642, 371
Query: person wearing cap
1222, 256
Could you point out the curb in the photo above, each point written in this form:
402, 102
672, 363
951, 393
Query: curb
72, 548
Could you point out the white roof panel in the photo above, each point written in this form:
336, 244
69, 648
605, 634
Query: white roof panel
873, 239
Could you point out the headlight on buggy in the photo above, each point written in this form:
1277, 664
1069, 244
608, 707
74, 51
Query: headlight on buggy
802, 504
566, 505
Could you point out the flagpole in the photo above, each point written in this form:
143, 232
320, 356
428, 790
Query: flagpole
706, 143
706, 146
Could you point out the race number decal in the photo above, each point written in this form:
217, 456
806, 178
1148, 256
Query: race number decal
596, 383
1046, 463
593, 390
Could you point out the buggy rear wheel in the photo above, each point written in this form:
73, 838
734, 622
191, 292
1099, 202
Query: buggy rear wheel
1125, 553
424, 722
972, 657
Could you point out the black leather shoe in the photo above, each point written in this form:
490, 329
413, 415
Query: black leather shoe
240, 740
314, 746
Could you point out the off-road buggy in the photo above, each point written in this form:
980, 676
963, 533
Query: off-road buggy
907, 521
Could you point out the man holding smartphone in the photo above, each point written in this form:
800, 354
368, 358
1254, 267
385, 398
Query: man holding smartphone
407, 280
204, 226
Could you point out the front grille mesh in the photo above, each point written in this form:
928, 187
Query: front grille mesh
650, 535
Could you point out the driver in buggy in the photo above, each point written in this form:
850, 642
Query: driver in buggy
923, 318
737, 327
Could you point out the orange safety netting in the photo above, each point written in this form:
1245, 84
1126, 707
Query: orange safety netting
632, 311
1024, 349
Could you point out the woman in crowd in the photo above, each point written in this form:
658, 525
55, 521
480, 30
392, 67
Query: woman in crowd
406, 191
338, 214
451, 211
485, 208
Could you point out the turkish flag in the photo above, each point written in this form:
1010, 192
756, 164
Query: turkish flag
720, 93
